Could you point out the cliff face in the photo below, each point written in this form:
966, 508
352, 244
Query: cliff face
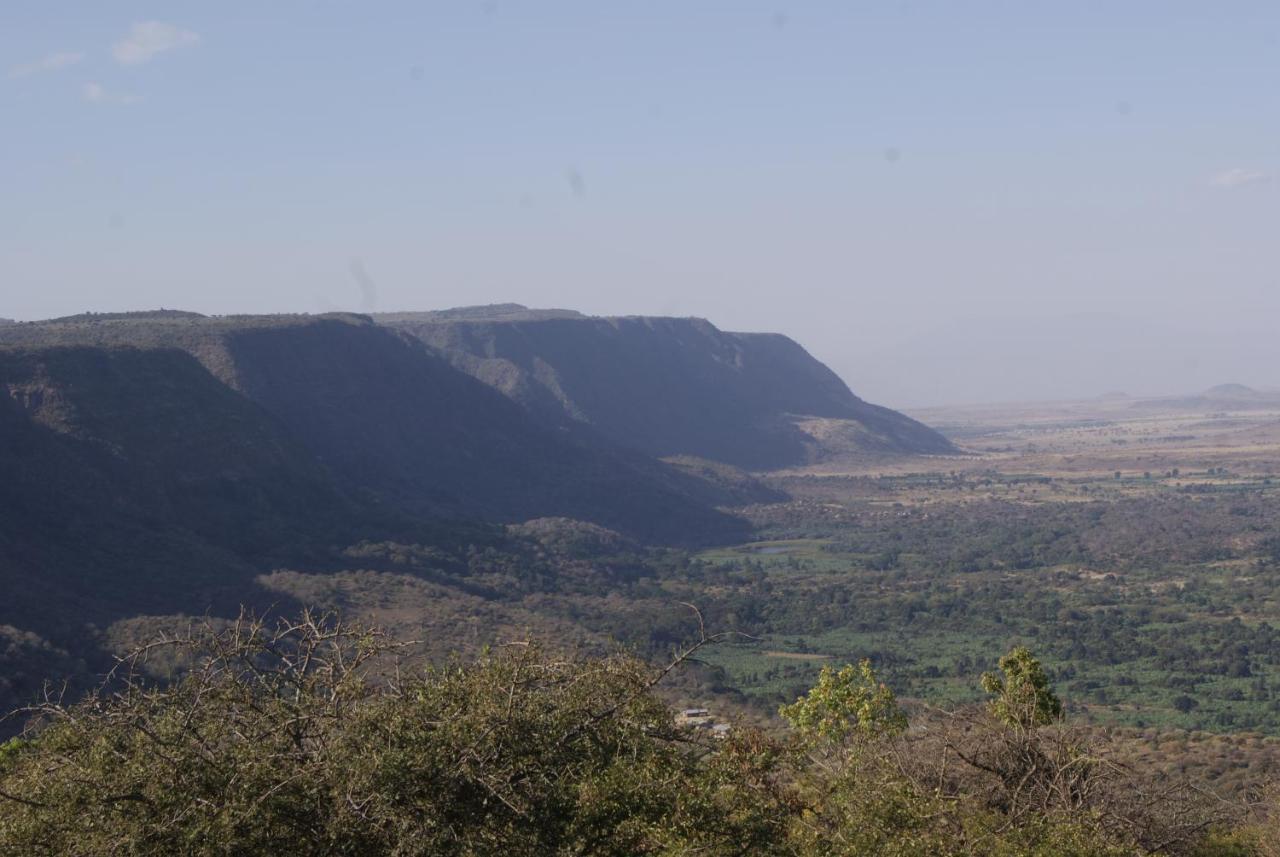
391, 425
392, 418
670, 386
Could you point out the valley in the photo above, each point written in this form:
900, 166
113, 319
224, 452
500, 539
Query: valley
1134, 548
1130, 543
165, 464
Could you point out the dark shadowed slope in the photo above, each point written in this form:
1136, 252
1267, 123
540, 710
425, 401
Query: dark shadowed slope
669, 386
394, 418
133, 481
158, 466
401, 429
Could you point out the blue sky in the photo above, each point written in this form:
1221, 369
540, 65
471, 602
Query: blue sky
945, 201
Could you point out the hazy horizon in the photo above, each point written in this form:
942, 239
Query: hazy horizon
944, 204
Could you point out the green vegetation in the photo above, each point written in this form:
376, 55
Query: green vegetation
1022, 697
310, 737
281, 463
846, 702
1149, 611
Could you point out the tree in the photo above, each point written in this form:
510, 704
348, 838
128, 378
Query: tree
1023, 697
848, 702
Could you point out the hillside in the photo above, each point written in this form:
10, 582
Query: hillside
159, 464
669, 386
399, 428
166, 463
133, 482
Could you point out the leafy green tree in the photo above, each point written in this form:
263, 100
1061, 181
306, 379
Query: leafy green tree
849, 702
1022, 697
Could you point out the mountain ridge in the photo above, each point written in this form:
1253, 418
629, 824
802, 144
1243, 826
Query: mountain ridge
396, 423
165, 463
668, 386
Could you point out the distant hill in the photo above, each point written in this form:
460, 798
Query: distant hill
1218, 398
668, 386
1231, 390
144, 315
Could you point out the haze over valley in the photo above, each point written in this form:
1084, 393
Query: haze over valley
499, 428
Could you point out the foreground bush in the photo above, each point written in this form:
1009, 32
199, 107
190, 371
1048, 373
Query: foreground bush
305, 738
301, 740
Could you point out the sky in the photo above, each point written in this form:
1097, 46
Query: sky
946, 202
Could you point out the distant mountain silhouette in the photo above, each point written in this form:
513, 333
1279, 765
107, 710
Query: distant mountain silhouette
668, 386
1217, 398
1231, 390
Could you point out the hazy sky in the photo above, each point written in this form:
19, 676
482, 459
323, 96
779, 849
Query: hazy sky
947, 202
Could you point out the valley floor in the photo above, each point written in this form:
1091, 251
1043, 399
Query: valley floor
1135, 547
